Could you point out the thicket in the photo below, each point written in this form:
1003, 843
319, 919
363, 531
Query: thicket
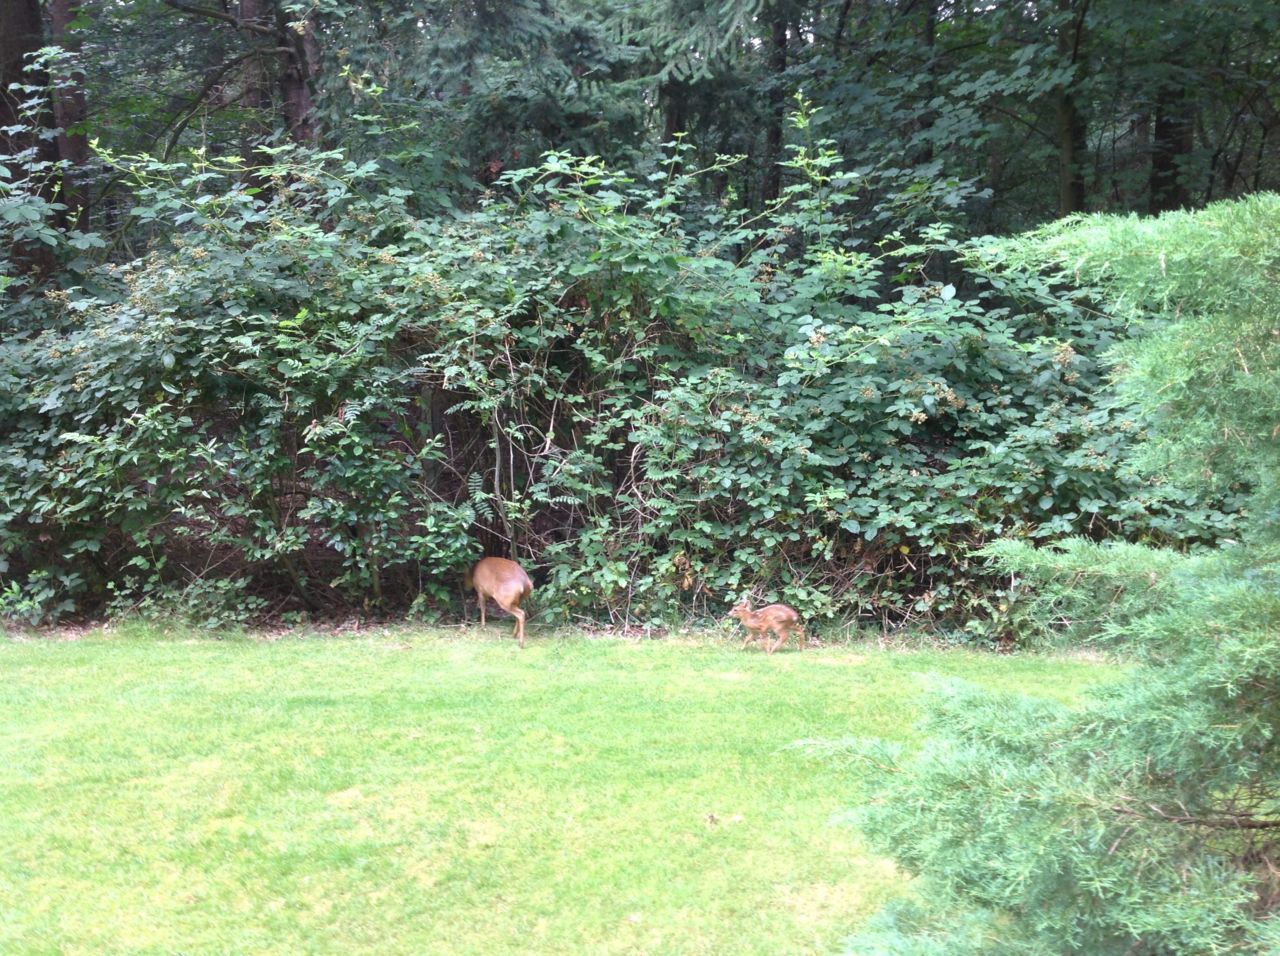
303, 398
1146, 821
300, 315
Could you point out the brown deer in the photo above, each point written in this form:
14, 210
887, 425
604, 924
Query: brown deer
782, 620
505, 582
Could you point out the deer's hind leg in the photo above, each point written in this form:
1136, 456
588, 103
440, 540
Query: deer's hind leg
783, 633
519, 615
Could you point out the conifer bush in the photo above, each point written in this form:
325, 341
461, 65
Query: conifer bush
1147, 821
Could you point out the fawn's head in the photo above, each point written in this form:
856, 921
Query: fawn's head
742, 609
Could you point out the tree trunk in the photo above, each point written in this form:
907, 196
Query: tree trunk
299, 67
929, 39
1071, 131
1072, 147
22, 34
256, 97
69, 112
842, 18
257, 91
673, 95
772, 181
1172, 140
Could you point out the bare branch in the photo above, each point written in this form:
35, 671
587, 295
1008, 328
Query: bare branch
210, 82
1235, 821
211, 14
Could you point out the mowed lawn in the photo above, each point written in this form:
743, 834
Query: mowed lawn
444, 792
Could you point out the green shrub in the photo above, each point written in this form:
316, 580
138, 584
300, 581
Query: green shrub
1076, 591
658, 403
1146, 821
237, 407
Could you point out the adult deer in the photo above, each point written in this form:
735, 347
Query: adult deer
782, 620
505, 582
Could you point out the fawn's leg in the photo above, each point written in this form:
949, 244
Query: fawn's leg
785, 632
480, 598
519, 631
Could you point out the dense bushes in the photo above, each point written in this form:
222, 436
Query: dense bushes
233, 408
1145, 822
316, 401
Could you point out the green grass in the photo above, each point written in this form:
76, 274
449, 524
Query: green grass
413, 792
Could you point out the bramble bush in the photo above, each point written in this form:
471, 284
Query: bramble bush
303, 388
233, 407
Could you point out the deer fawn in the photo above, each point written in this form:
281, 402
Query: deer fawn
782, 620
505, 582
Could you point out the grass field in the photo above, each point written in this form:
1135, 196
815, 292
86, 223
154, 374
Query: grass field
443, 792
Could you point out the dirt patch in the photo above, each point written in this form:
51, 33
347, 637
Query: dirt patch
63, 632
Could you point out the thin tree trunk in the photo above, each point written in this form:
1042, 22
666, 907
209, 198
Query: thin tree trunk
22, 34
1172, 141
928, 36
257, 92
70, 111
673, 95
1217, 160
257, 96
1072, 147
499, 500
772, 181
1258, 164
841, 20
1071, 130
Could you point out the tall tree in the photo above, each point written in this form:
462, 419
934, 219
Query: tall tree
1070, 126
777, 62
1172, 141
70, 109
21, 35
24, 116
